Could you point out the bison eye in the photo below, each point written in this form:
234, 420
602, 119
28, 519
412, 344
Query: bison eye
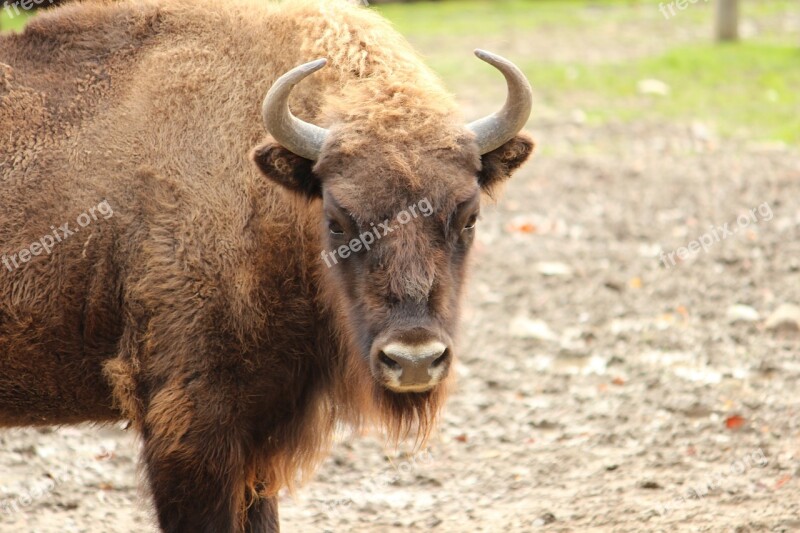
471, 222
335, 228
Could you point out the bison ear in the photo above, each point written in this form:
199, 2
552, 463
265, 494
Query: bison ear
499, 164
287, 169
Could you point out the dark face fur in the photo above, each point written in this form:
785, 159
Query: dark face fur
395, 236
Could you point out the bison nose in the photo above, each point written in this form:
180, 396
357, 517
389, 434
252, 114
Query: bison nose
413, 367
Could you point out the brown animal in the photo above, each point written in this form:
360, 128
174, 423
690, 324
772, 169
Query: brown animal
188, 289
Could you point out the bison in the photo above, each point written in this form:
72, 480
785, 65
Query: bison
165, 261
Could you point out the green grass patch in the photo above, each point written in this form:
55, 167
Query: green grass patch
751, 88
13, 21
746, 88
495, 17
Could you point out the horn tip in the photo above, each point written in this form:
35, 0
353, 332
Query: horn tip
317, 64
487, 56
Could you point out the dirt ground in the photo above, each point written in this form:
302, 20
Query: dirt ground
600, 388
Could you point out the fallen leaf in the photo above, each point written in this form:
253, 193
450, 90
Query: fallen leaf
783, 481
523, 227
618, 381
462, 437
734, 422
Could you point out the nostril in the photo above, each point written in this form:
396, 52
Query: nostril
388, 361
441, 359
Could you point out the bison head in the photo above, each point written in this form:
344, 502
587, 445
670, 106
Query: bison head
396, 224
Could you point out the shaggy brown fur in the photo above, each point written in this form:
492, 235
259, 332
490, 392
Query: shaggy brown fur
201, 310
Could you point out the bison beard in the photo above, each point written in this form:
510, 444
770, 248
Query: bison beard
399, 414
201, 311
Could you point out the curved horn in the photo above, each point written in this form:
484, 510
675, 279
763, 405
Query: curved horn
493, 131
295, 135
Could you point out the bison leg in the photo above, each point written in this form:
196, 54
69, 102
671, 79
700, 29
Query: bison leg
195, 490
195, 458
262, 516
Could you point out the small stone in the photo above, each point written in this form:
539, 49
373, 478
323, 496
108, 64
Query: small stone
546, 268
544, 424
46, 452
545, 519
529, 328
433, 522
653, 87
578, 116
742, 313
650, 485
786, 316
573, 352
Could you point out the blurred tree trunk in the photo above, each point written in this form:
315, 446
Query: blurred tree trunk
727, 25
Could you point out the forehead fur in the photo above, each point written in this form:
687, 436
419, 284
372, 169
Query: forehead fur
383, 179
380, 100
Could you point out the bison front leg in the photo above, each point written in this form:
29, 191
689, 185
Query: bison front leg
195, 460
196, 488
